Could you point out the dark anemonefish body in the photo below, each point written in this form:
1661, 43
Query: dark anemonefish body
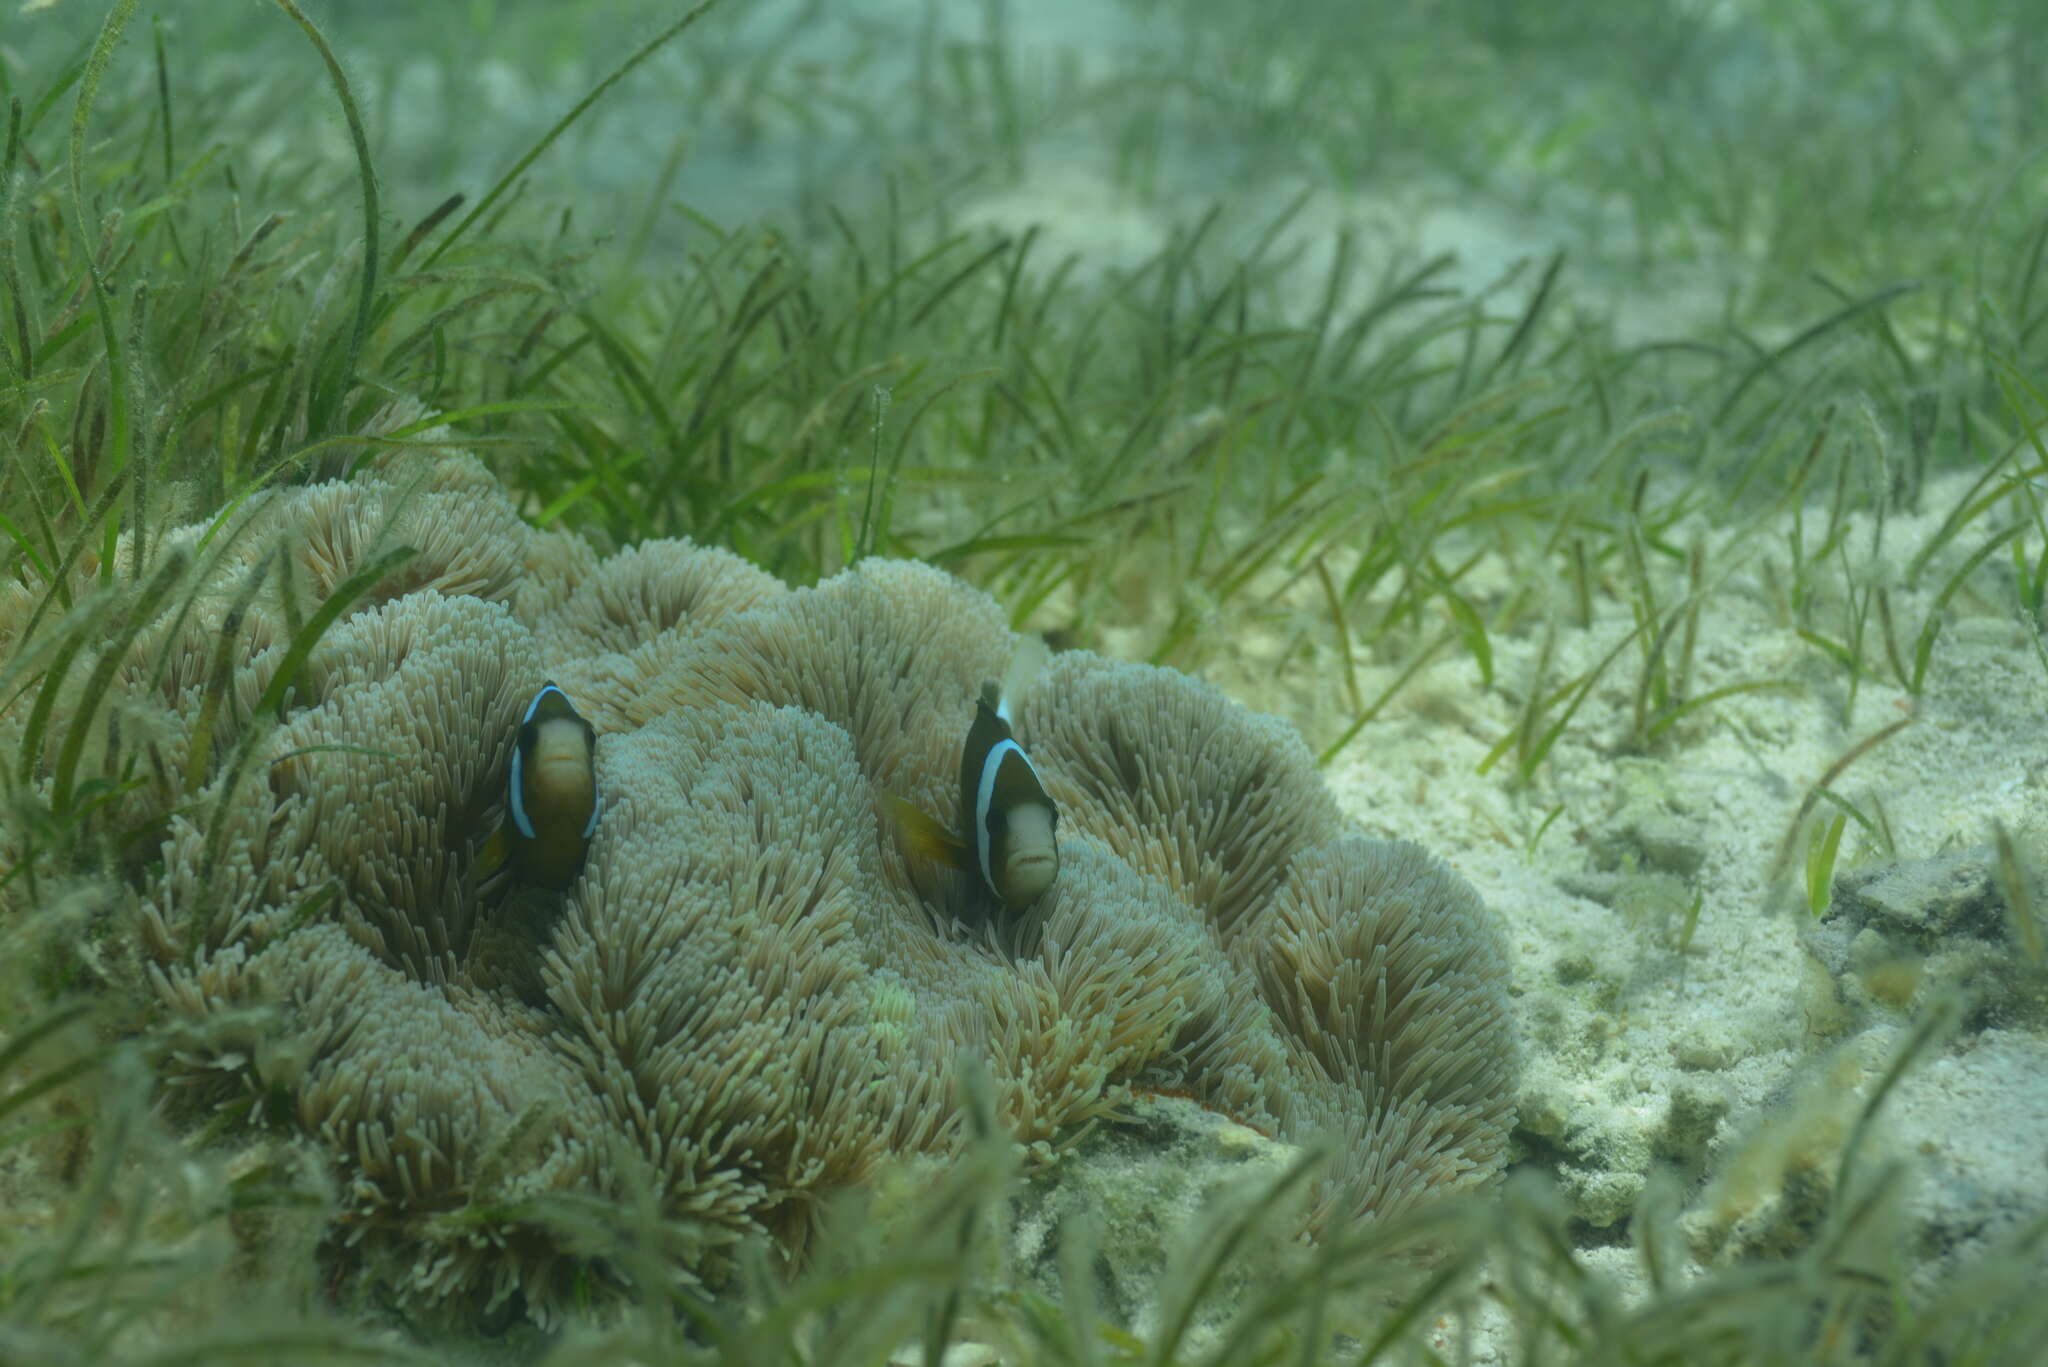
551, 800
1007, 821
1004, 808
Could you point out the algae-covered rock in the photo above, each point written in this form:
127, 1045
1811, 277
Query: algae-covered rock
1647, 827
1898, 936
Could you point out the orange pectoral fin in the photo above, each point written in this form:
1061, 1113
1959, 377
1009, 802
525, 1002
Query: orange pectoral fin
494, 854
924, 837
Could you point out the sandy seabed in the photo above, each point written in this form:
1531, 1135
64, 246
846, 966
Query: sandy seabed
1744, 1028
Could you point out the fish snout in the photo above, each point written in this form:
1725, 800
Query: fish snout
1031, 859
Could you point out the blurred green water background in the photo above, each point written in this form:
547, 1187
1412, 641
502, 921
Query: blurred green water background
1701, 162
1109, 296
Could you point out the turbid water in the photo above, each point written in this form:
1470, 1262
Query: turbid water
1784, 552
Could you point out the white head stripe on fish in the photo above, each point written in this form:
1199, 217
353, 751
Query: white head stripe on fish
534, 706
990, 767
596, 810
517, 791
518, 784
984, 795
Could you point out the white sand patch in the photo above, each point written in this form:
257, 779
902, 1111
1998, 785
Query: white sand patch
1639, 1055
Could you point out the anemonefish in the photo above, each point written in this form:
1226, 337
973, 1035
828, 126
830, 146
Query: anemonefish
551, 800
1006, 819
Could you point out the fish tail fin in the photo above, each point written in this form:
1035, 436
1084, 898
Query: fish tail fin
921, 834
